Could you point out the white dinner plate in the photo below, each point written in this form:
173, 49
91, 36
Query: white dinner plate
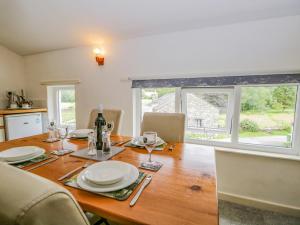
107, 172
131, 174
19, 153
81, 133
138, 141
27, 159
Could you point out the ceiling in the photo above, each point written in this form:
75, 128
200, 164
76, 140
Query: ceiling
34, 26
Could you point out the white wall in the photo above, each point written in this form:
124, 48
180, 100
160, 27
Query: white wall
253, 47
259, 180
11, 73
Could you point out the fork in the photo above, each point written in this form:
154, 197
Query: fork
73, 171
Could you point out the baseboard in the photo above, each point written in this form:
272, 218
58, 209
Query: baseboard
261, 204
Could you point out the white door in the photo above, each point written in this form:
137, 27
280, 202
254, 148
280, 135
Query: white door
23, 125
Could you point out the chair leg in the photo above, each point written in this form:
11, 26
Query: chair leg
102, 220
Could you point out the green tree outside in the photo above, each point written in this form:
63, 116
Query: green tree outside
284, 97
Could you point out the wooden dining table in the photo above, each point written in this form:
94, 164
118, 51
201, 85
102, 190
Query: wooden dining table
182, 192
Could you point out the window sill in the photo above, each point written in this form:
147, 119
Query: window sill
257, 153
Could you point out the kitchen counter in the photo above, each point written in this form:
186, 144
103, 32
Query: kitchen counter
17, 111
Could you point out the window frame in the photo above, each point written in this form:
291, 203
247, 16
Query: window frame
235, 121
227, 90
54, 103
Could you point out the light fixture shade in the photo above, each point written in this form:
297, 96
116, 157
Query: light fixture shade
99, 52
100, 60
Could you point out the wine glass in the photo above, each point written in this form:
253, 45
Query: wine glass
150, 142
149, 139
63, 133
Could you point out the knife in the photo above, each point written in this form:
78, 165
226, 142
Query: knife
145, 183
122, 143
44, 163
73, 171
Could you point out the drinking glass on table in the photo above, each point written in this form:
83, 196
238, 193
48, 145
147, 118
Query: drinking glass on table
63, 133
150, 142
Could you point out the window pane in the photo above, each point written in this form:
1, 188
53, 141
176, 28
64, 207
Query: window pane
208, 114
267, 115
158, 100
67, 107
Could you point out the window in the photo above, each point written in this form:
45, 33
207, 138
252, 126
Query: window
208, 113
61, 105
66, 109
158, 100
261, 117
267, 115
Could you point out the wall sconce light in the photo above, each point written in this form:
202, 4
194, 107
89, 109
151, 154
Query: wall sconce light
99, 52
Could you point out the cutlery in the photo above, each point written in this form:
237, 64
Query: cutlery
122, 143
22, 166
73, 171
51, 159
145, 183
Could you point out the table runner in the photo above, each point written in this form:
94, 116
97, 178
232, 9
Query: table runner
157, 148
32, 161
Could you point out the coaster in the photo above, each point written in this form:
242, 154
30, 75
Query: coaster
154, 166
62, 152
51, 140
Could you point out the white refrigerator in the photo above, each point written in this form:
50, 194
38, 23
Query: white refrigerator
23, 125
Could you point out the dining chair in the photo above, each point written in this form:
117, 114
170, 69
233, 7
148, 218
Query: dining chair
115, 115
169, 126
27, 199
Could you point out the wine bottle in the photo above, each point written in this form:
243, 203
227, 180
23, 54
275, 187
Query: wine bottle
100, 123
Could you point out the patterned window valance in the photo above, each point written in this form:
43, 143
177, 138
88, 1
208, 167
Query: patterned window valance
218, 81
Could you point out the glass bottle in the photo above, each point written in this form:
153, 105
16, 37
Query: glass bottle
100, 123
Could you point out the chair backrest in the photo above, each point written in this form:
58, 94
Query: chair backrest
115, 115
27, 199
169, 126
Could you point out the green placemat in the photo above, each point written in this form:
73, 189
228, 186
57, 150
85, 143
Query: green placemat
158, 148
120, 195
32, 161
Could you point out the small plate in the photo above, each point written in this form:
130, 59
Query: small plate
19, 153
138, 141
32, 157
131, 174
108, 172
